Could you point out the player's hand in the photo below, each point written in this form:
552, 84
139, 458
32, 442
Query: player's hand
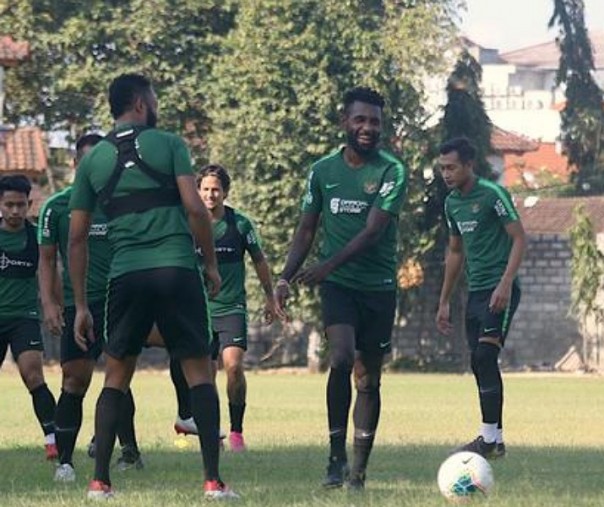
443, 319
500, 297
213, 281
53, 318
83, 329
313, 275
270, 310
282, 294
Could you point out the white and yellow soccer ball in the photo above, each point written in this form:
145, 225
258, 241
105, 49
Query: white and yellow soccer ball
464, 476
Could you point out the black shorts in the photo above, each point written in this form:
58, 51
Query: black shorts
21, 334
173, 298
69, 348
229, 331
370, 313
481, 322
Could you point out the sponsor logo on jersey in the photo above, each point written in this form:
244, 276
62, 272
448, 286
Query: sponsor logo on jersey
338, 206
223, 249
97, 230
308, 194
500, 208
6, 262
370, 187
386, 188
251, 238
468, 226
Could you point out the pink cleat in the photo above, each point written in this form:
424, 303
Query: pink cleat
236, 441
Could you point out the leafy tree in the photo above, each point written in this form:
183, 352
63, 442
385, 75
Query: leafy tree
587, 270
583, 115
277, 89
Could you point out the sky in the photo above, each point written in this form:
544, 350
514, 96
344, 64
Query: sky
512, 24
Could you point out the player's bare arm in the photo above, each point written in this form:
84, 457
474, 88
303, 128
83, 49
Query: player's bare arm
453, 267
47, 278
377, 221
264, 275
201, 226
502, 293
301, 245
79, 226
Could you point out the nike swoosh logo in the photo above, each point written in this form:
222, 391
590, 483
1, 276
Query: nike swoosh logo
236, 340
32, 344
466, 461
489, 329
331, 185
383, 345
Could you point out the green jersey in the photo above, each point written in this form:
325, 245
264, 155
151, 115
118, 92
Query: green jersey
53, 229
234, 235
156, 237
480, 217
18, 265
344, 196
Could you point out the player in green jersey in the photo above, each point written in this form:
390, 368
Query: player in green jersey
234, 235
59, 311
486, 236
19, 317
355, 194
142, 179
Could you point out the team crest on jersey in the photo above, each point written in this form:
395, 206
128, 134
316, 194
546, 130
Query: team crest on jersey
475, 207
387, 188
370, 187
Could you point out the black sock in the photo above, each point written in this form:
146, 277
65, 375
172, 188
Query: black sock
106, 420
236, 413
44, 408
339, 396
366, 415
488, 378
68, 420
204, 403
125, 429
181, 387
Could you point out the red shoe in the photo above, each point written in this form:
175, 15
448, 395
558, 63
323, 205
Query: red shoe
98, 490
52, 453
236, 441
218, 490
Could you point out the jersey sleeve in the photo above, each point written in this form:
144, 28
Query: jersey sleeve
312, 202
48, 224
391, 194
251, 240
504, 206
83, 196
181, 158
451, 224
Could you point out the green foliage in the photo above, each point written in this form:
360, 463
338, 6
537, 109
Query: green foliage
583, 115
276, 91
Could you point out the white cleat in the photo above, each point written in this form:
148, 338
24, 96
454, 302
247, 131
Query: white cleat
185, 426
218, 490
65, 473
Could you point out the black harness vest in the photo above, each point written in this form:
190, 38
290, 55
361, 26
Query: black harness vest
23, 264
230, 247
142, 200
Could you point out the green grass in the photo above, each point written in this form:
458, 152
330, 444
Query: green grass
554, 434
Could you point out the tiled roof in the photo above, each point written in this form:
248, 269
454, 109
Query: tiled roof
554, 215
545, 159
547, 55
22, 150
505, 141
11, 52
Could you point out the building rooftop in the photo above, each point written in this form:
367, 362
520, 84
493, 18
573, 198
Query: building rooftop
22, 150
12, 52
506, 141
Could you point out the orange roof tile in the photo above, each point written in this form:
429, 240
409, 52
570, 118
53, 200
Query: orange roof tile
22, 150
505, 141
554, 215
12, 52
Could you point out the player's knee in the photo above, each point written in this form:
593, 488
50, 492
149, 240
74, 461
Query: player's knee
342, 360
33, 379
234, 371
485, 359
367, 383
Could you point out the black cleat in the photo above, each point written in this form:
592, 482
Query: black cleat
356, 483
129, 460
337, 472
499, 451
479, 446
92, 448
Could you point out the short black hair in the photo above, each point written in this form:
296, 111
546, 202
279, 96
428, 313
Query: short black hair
15, 183
215, 170
124, 90
87, 140
466, 150
365, 95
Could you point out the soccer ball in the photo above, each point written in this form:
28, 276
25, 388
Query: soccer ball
464, 476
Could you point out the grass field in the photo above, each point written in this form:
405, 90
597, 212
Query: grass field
554, 434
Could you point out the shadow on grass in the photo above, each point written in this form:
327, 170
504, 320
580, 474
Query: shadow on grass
292, 475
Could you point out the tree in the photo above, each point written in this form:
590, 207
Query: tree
276, 93
583, 115
587, 270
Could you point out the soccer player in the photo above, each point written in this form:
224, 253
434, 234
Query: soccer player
19, 315
355, 193
143, 181
234, 235
77, 365
487, 237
